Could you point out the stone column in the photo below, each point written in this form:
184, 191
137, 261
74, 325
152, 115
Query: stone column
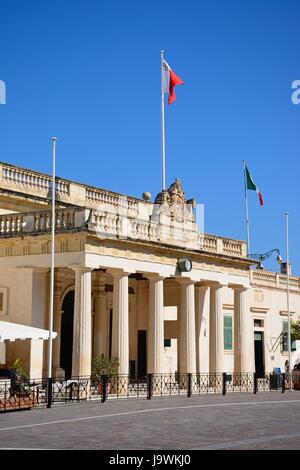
187, 351
120, 323
56, 369
82, 331
243, 333
202, 328
216, 351
100, 321
155, 336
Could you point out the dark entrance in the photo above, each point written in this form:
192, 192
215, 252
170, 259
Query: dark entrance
142, 354
259, 354
66, 335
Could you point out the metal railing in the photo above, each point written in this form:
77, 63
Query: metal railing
16, 394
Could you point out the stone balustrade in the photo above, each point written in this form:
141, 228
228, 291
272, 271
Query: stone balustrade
110, 225
18, 177
226, 246
275, 280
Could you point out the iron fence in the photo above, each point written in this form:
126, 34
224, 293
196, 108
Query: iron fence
15, 394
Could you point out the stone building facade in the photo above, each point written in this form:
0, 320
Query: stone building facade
118, 287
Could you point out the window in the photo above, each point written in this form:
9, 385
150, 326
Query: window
284, 338
3, 300
258, 323
167, 343
227, 333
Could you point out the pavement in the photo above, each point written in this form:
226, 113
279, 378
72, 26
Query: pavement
268, 420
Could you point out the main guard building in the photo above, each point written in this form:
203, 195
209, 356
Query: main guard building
135, 280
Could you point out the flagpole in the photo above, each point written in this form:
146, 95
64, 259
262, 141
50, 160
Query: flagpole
52, 262
163, 161
288, 294
247, 212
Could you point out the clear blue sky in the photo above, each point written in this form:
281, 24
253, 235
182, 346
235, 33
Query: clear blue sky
88, 72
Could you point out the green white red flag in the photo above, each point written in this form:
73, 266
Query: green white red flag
252, 186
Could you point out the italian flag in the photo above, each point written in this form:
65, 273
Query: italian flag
169, 81
252, 186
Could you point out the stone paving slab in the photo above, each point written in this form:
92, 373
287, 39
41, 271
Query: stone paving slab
267, 420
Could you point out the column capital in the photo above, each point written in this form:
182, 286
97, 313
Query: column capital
118, 273
80, 268
185, 281
153, 276
99, 290
239, 289
216, 286
202, 287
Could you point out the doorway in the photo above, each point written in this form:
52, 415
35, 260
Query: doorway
142, 354
66, 334
259, 354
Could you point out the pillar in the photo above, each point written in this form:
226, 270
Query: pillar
82, 331
202, 294
243, 333
187, 351
100, 322
56, 370
216, 350
120, 322
155, 336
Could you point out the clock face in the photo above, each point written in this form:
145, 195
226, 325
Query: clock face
188, 265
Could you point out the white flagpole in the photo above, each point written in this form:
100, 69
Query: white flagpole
52, 262
288, 294
163, 161
247, 212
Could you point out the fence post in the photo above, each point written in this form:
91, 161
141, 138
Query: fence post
224, 383
189, 384
255, 383
149, 386
103, 379
49, 392
283, 383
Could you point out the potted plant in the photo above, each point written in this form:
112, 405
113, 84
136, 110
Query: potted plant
104, 366
20, 381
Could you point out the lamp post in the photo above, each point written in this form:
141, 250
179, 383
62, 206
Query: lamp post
262, 257
49, 368
288, 294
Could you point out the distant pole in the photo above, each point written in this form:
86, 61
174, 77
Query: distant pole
52, 262
288, 294
247, 212
163, 161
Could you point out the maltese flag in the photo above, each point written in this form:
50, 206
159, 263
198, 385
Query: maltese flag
169, 81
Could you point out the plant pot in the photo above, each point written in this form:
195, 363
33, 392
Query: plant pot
100, 388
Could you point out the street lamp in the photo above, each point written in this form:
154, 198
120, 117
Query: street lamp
262, 257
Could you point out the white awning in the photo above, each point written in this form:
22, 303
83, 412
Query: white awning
13, 331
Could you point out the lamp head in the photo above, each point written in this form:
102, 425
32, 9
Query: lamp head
279, 259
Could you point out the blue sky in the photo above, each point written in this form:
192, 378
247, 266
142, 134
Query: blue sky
89, 73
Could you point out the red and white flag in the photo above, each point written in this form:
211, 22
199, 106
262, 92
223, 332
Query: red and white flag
169, 81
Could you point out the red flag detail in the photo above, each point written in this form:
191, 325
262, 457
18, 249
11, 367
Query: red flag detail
174, 80
261, 202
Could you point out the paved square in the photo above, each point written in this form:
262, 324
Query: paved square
268, 420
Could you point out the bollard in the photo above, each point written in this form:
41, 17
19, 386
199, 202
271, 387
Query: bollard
224, 383
104, 388
49, 392
283, 383
149, 386
189, 385
255, 383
